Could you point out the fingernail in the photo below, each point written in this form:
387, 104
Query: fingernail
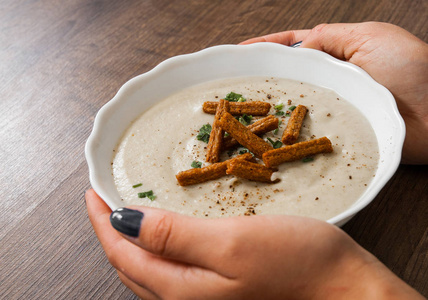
127, 221
295, 45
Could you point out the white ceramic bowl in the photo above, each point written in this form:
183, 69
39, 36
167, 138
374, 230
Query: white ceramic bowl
264, 59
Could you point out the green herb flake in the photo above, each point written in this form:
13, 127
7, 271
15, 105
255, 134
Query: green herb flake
291, 108
148, 194
276, 144
137, 185
307, 159
196, 164
204, 133
277, 130
279, 106
279, 111
245, 119
234, 97
243, 151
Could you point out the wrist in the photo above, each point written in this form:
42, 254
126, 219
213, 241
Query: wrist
362, 276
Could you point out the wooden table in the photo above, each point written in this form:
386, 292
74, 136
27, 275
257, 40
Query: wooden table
62, 60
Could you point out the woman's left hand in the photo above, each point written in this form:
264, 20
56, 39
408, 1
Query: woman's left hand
164, 255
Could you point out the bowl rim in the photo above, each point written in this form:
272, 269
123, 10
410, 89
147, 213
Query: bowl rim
109, 108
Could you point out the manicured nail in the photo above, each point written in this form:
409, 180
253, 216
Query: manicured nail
295, 45
127, 221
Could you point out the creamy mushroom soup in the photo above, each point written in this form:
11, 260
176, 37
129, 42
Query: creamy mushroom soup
162, 142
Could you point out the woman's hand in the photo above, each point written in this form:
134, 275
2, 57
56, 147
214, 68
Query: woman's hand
163, 255
392, 56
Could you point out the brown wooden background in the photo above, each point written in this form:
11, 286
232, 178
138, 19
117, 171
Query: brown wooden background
60, 61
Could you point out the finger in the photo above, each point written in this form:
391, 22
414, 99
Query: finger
287, 38
200, 242
138, 290
99, 213
113, 243
167, 234
339, 40
149, 271
123, 255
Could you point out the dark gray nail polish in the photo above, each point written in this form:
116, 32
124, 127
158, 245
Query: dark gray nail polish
127, 221
295, 45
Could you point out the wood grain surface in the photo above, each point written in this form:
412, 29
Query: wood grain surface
61, 61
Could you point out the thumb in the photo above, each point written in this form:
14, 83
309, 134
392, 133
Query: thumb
170, 235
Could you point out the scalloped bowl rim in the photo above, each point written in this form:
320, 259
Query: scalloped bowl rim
261, 59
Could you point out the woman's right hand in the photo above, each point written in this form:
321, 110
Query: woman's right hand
392, 56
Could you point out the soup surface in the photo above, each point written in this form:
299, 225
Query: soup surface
162, 142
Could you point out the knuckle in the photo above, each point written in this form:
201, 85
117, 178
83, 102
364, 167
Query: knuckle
113, 256
317, 33
160, 235
232, 249
234, 243
319, 29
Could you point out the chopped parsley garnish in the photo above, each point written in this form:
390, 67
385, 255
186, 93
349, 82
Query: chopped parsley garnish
278, 109
291, 108
307, 159
204, 133
277, 130
234, 97
245, 119
137, 185
148, 194
243, 151
279, 106
276, 144
196, 164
